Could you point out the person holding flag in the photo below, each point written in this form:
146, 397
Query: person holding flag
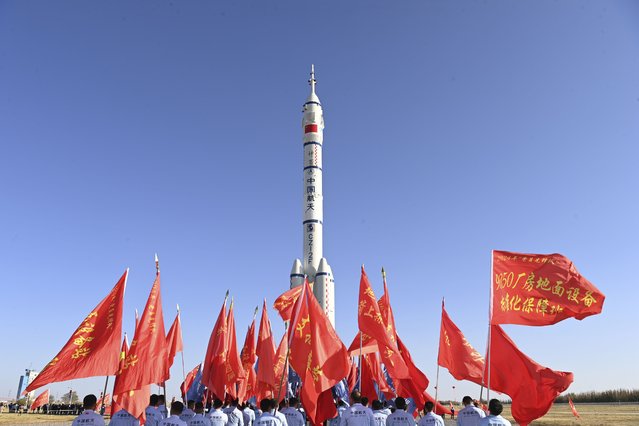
494, 418
199, 419
216, 415
123, 418
357, 414
89, 417
430, 418
400, 417
469, 415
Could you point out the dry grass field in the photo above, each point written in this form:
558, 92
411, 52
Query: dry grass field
559, 415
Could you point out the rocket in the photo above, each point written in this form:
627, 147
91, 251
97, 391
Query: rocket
313, 265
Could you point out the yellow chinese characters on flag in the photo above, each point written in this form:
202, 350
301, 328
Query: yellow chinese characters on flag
540, 289
94, 348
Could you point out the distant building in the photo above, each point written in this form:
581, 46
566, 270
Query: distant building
29, 376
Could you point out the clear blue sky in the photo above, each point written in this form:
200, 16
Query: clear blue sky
452, 128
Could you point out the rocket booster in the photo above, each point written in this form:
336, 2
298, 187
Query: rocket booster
313, 264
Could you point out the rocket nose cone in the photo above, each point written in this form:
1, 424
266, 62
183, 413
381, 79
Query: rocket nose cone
323, 265
297, 267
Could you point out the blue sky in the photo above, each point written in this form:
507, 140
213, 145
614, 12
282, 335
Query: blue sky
452, 128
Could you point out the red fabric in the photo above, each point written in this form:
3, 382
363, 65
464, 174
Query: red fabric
369, 345
370, 322
188, 381
93, 348
532, 387
378, 375
213, 367
351, 379
107, 401
386, 311
174, 344
317, 355
133, 401
280, 369
146, 361
40, 400
233, 366
266, 355
247, 385
572, 408
367, 386
456, 354
284, 303
540, 289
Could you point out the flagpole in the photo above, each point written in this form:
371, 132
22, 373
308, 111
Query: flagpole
490, 314
438, 349
182, 351
106, 382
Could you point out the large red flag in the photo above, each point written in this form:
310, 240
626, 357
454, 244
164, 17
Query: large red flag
40, 400
456, 353
370, 322
266, 358
188, 381
213, 368
416, 385
174, 343
540, 289
133, 401
93, 349
317, 355
147, 357
248, 384
532, 387
280, 369
364, 345
233, 365
284, 303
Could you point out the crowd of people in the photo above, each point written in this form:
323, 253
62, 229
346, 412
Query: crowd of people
290, 413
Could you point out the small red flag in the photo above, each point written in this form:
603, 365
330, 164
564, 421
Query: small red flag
233, 365
247, 385
213, 367
280, 369
456, 353
540, 289
147, 358
370, 322
40, 400
317, 355
174, 344
532, 387
284, 303
106, 400
572, 408
188, 381
133, 401
92, 349
266, 358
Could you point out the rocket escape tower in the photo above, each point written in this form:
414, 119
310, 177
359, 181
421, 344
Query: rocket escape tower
313, 264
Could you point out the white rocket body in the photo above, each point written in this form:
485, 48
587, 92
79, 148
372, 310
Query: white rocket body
313, 264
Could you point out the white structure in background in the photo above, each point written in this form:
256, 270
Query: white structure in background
313, 264
29, 376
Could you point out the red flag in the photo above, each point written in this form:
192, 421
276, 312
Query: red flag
266, 358
532, 387
370, 322
188, 381
284, 303
317, 355
248, 384
92, 349
572, 408
40, 400
280, 369
173, 343
106, 400
368, 345
456, 354
133, 401
213, 367
367, 385
351, 379
540, 289
233, 365
378, 375
147, 358
386, 310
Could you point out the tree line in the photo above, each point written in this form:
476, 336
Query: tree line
612, 395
